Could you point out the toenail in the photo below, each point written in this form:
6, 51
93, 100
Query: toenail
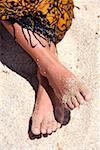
43, 131
49, 131
36, 131
72, 106
76, 104
88, 97
54, 129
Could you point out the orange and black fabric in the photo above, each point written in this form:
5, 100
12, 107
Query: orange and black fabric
50, 19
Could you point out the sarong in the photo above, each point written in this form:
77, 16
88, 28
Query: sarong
50, 19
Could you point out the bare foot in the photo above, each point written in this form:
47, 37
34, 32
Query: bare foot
43, 120
67, 87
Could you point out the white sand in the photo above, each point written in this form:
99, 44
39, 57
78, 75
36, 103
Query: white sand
79, 51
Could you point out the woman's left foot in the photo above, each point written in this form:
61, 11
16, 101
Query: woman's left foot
43, 120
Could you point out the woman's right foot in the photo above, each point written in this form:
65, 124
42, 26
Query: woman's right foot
66, 86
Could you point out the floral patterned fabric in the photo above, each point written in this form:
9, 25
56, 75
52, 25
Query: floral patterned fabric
50, 19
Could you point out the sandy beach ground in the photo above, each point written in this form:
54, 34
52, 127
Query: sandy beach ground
80, 52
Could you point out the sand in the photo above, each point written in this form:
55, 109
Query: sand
80, 52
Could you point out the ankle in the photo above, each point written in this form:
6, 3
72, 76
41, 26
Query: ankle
48, 64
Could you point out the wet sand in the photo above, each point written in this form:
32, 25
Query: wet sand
80, 52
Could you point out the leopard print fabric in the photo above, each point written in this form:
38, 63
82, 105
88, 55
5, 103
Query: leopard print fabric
50, 19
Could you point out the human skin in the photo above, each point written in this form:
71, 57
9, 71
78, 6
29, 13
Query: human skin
68, 89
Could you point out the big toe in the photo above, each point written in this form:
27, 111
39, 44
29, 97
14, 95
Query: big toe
36, 131
86, 93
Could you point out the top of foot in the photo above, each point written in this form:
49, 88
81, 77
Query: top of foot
67, 87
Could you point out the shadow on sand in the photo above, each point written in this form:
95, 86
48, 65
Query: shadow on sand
16, 59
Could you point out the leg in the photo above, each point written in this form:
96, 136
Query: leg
65, 85
37, 52
43, 120
44, 106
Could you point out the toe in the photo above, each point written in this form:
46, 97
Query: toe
50, 126
35, 127
74, 101
79, 98
58, 125
70, 104
43, 128
36, 131
43, 131
86, 93
49, 130
88, 97
54, 126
